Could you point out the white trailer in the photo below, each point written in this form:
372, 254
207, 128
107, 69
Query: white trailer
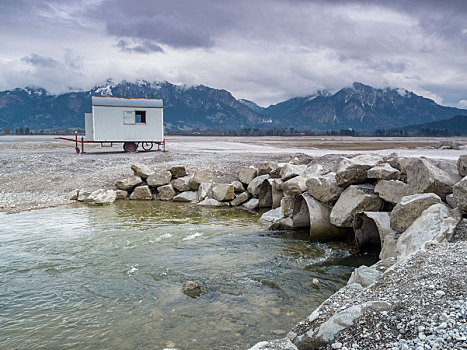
131, 121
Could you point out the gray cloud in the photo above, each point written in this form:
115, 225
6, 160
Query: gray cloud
263, 50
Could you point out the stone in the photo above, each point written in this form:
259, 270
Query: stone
287, 205
247, 174
160, 178
324, 187
129, 183
459, 194
295, 161
388, 247
283, 344
254, 185
289, 171
276, 173
436, 224
204, 190
141, 193
315, 283
272, 216
295, 186
240, 199
313, 170
364, 276
72, 195
166, 192
448, 144
200, 176
252, 203
383, 172
121, 194
392, 191
192, 289
211, 202
188, 196
424, 177
277, 193
462, 165
450, 200
447, 165
265, 168
142, 170
101, 197
182, 184
354, 170
410, 208
83, 195
238, 186
178, 171
222, 192
265, 193
355, 199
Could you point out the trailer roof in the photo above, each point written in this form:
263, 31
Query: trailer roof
127, 102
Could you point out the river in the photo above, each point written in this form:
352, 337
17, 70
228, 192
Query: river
111, 277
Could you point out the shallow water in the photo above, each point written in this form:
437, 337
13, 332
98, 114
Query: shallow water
111, 278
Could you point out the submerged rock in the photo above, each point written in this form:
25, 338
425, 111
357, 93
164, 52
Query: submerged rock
192, 289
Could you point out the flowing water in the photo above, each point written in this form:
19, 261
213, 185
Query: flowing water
111, 278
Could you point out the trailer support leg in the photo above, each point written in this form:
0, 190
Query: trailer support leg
82, 144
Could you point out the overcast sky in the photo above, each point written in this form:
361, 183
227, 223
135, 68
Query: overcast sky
262, 50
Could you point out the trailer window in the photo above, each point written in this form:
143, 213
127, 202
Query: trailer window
140, 117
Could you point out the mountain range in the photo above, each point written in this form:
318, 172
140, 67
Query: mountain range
360, 107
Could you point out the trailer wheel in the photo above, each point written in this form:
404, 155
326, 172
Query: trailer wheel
130, 146
147, 145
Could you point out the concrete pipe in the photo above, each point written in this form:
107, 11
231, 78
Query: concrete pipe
370, 229
308, 211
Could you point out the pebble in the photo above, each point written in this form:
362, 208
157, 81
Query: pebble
439, 293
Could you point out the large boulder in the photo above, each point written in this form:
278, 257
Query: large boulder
200, 176
121, 194
354, 170
128, 183
295, 186
141, 193
240, 199
435, 224
223, 192
265, 193
178, 171
83, 195
142, 170
364, 276
462, 165
392, 190
188, 196
166, 192
265, 168
247, 174
287, 205
383, 172
272, 216
255, 184
277, 193
355, 199
425, 177
211, 202
460, 194
182, 184
410, 208
289, 171
324, 187
238, 186
101, 197
204, 190
252, 203
160, 178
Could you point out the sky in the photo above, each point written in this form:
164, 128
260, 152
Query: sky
263, 50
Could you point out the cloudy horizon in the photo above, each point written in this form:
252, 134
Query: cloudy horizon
265, 51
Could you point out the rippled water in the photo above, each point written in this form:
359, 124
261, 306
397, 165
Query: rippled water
111, 278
